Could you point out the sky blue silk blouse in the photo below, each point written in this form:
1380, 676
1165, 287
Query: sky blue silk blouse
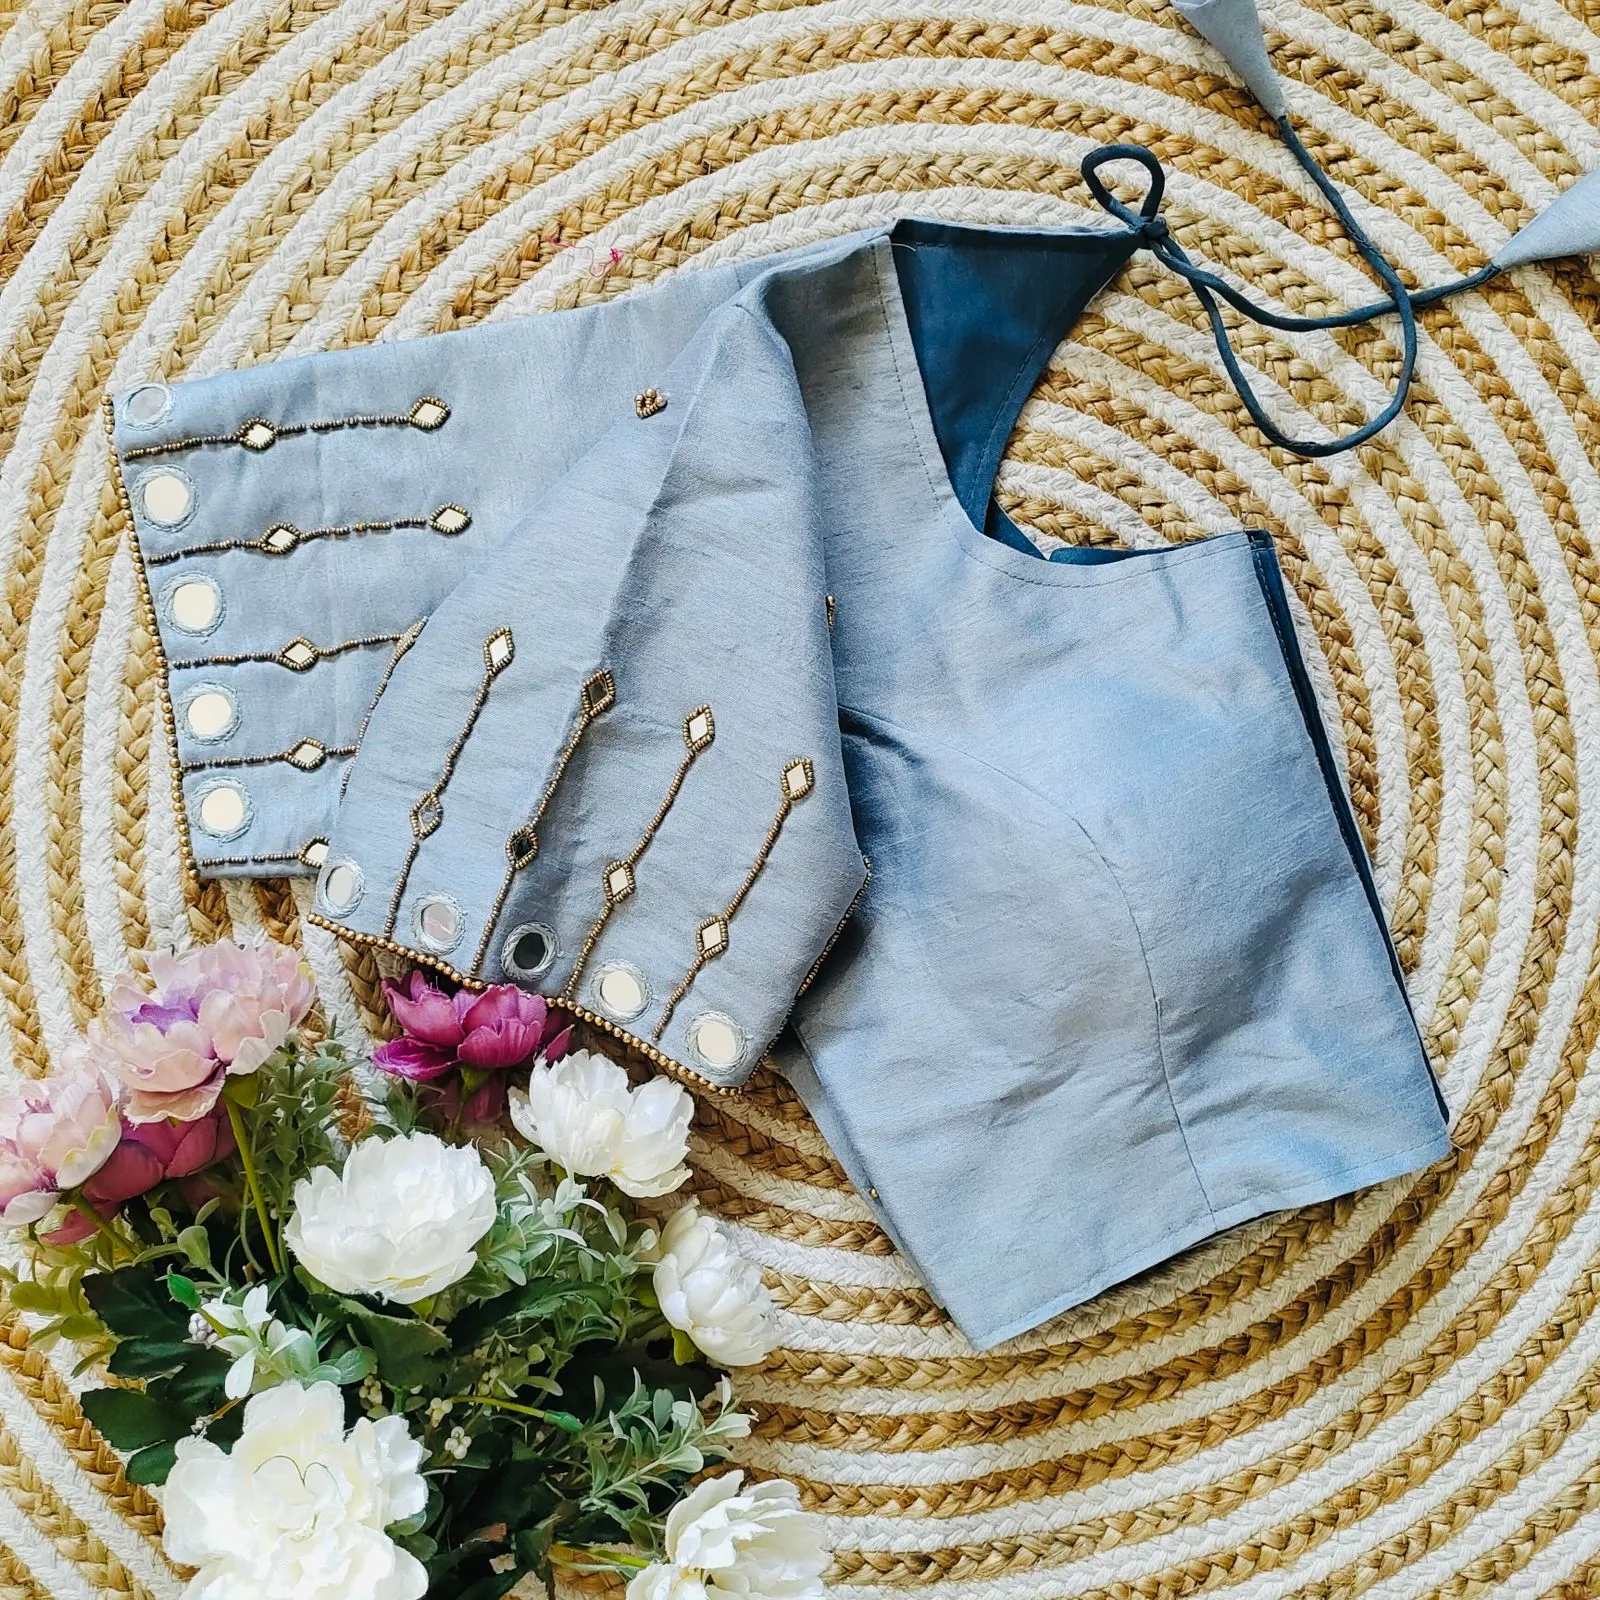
602, 652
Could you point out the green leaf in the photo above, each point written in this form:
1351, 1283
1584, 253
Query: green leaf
81, 1328
197, 1387
489, 1588
418, 1544
152, 1464
150, 1358
684, 1350
404, 1346
184, 1290
133, 1302
131, 1419
38, 1297
351, 1366
565, 1421
244, 1089
195, 1243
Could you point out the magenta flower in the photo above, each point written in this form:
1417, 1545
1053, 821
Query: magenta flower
506, 1026
430, 1015
220, 1010
153, 1152
500, 1027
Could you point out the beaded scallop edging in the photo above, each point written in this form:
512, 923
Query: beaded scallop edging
649, 1051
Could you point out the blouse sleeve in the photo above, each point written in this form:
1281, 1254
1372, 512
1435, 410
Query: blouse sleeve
600, 758
295, 522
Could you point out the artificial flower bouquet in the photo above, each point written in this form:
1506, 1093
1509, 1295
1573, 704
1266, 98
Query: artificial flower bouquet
375, 1334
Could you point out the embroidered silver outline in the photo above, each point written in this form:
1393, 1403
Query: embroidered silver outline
597, 991
198, 692
199, 808
552, 949
330, 866
178, 583
146, 478
441, 947
129, 420
692, 1033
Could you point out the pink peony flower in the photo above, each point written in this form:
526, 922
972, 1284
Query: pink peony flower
26, 1192
501, 1027
54, 1134
152, 1152
252, 998
222, 1009
66, 1125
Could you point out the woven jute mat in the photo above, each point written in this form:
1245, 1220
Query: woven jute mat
1394, 1395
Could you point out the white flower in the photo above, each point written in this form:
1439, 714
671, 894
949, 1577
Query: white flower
297, 1510
402, 1220
250, 1334
583, 1115
711, 1292
758, 1545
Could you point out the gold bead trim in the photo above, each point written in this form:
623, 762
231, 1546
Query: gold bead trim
256, 434
699, 730
283, 538
147, 608
311, 854
650, 402
299, 655
844, 922
306, 754
711, 937
499, 649
649, 1051
402, 645
598, 695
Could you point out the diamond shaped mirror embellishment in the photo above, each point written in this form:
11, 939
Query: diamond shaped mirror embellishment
619, 882
798, 777
498, 651
426, 815
308, 755
280, 539
299, 654
450, 519
599, 691
314, 852
258, 435
522, 847
699, 729
428, 413
713, 937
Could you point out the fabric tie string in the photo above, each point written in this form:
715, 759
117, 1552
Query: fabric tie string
1570, 225
1156, 236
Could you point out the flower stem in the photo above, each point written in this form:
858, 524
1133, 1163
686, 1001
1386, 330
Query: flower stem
590, 1558
252, 1179
499, 1405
